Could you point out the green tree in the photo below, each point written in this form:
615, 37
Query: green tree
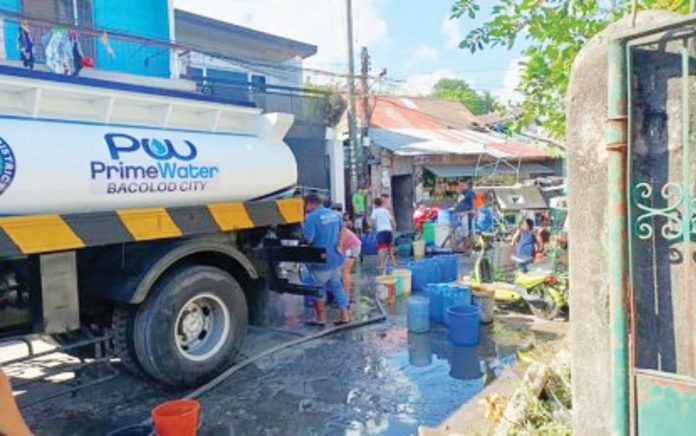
459, 90
556, 31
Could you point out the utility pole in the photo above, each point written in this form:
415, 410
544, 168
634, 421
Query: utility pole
352, 133
365, 123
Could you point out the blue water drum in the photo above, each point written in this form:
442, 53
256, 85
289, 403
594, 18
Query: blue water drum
418, 314
419, 276
453, 268
434, 293
464, 294
464, 328
433, 268
449, 299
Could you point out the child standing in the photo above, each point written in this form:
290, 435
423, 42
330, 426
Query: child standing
524, 242
351, 247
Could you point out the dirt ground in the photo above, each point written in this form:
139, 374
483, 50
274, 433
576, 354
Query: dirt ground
379, 379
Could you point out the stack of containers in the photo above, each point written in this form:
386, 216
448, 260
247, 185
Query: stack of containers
441, 269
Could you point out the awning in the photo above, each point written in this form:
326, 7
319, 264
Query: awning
451, 172
456, 171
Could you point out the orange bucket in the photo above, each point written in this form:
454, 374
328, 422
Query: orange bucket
176, 418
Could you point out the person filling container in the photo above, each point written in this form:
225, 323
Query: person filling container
322, 228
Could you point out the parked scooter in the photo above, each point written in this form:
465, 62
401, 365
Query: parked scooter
544, 291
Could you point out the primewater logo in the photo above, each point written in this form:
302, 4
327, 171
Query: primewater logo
8, 166
173, 166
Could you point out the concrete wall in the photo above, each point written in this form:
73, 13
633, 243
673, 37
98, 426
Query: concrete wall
587, 183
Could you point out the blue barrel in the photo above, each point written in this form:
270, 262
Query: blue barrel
433, 268
452, 268
464, 328
418, 314
435, 295
464, 295
419, 276
449, 299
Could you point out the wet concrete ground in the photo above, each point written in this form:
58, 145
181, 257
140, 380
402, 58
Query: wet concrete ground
375, 380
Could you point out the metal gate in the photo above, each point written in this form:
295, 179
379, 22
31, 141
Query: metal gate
652, 220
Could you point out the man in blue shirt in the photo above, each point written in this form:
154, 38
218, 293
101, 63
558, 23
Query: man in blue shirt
465, 211
322, 228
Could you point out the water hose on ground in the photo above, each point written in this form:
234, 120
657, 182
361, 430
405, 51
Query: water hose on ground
246, 362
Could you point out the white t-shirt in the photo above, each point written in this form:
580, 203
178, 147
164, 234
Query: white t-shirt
382, 219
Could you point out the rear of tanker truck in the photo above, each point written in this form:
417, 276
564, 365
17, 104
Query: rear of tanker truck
144, 219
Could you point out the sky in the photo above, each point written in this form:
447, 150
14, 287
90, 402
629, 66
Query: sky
414, 40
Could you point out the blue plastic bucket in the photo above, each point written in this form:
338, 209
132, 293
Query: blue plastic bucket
418, 314
464, 328
455, 295
404, 249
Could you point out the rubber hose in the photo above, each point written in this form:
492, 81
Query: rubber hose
244, 363
231, 370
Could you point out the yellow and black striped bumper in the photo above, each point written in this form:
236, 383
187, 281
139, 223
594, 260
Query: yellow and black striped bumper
36, 234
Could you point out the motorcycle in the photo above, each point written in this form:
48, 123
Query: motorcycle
544, 291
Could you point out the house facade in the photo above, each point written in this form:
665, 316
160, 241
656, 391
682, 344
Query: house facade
421, 144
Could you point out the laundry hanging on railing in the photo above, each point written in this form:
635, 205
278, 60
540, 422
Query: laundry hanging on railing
59, 56
105, 41
26, 45
76, 51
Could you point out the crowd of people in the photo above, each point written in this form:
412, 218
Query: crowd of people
325, 227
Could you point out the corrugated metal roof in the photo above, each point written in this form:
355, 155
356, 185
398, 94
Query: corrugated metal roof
419, 113
456, 171
414, 142
419, 126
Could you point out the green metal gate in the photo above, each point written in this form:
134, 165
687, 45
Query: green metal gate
652, 219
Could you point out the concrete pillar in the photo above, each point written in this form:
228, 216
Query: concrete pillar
587, 189
334, 149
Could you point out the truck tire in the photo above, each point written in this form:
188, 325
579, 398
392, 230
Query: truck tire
122, 332
191, 327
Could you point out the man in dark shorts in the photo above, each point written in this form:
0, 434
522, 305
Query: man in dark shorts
383, 224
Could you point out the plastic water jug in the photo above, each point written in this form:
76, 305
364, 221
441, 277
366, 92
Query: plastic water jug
418, 314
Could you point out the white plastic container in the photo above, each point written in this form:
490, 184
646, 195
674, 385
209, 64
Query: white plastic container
442, 232
66, 167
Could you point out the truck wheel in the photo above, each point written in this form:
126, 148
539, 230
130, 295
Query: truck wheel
122, 330
191, 327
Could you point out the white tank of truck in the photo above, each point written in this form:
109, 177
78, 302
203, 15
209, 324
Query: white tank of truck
69, 167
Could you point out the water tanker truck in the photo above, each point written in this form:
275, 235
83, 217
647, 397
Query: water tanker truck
151, 217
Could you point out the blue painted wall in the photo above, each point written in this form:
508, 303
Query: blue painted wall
148, 19
11, 30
